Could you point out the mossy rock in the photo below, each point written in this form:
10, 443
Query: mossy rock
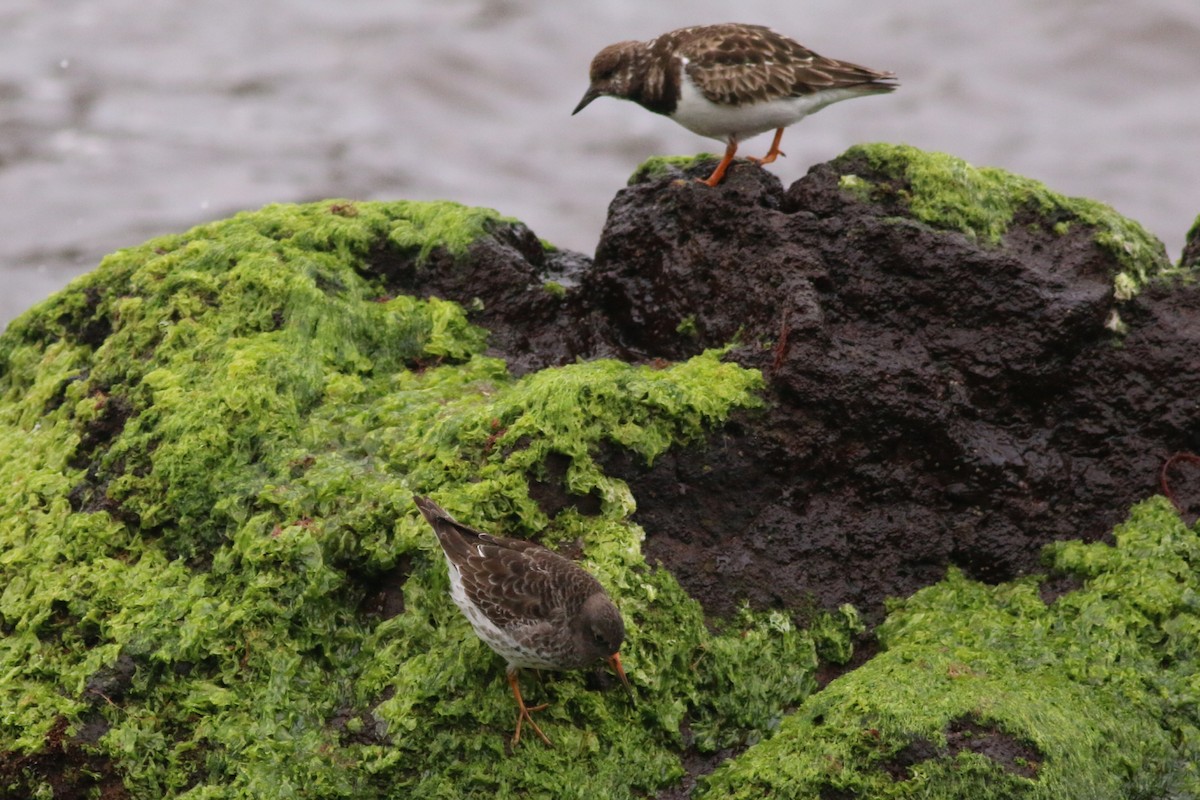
994, 692
214, 581
985, 203
658, 167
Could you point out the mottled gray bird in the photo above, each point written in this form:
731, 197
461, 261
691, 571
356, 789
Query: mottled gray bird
729, 82
533, 607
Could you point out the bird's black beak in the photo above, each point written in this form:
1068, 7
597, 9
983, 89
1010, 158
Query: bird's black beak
591, 95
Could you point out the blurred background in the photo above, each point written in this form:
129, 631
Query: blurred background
125, 119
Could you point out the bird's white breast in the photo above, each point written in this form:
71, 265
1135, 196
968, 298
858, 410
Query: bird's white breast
501, 642
706, 118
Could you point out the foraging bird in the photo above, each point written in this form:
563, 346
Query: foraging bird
729, 82
533, 607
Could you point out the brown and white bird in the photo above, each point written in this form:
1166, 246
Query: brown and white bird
729, 82
533, 607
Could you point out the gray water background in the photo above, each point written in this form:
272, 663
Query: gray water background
125, 119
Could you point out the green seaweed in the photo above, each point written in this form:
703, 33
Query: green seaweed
982, 202
209, 447
857, 186
657, 167
1190, 262
1099, 687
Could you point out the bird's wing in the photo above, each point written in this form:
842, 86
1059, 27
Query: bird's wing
736, 62
536, 583
519, 583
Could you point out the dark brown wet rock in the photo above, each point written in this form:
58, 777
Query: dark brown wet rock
67, 766
966, 733
940, 392
1191, 248
952, 376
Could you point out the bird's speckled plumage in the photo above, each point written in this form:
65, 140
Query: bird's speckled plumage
530, 605
739, 64
728, 82
730, 64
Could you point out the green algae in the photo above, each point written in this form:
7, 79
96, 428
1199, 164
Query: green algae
209, 445
833, 634
657, 167
687, 326
1097, 689
1191, 261
856, 186
449, 225
982, 202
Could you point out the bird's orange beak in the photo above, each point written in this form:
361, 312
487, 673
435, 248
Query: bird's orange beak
615, 662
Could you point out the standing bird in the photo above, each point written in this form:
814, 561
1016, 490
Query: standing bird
729, 82
533, 607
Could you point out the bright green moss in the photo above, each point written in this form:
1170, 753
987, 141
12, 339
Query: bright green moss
856, 186
687, 326
657, 167
948, 193
1193, 235
833, 634
208, 449
1101, 686
441, 224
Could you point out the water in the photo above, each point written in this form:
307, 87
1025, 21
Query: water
123, 119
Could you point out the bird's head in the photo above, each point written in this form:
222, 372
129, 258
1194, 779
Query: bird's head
602, 631
611, 72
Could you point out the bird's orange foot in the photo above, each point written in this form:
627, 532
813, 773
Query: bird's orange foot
769, 158
523, 715
719, 172
523, 711
774, 152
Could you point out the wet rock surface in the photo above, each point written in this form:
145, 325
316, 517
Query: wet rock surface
932, 400
1191, 249
66, 766
1012, 755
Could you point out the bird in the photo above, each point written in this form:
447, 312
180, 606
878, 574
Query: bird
532, 606
729, 82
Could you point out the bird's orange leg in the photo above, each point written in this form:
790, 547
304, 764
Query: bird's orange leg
523, 712
773, 153
719, 172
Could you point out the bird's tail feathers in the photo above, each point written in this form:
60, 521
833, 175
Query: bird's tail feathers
450, 532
